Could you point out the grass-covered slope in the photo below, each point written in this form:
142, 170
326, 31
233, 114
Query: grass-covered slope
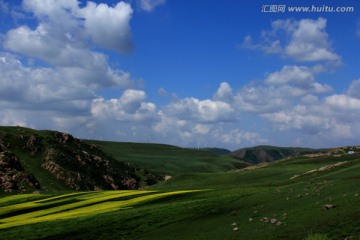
44, 208
264, 153
171, 160
54, 161
289, 199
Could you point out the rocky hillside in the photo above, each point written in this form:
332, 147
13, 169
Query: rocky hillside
47, 160
261, 154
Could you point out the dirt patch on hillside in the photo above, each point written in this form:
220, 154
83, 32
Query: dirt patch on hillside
321, 169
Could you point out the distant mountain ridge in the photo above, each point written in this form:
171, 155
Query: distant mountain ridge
264, 153
43, 160
33, 160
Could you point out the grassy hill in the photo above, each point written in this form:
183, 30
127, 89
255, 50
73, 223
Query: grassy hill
311, 197
170, 160
54, 161
298, 198
264, 153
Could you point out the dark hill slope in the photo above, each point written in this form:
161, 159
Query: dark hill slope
261, 154
48, 160
168, 159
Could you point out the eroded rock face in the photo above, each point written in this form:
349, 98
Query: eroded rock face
13, 178
84, 166
77, 164
30, 143
65, 138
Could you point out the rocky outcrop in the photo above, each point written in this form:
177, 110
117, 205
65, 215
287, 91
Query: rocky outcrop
30, 143
62, 158
83, 170
13, 178
82, 166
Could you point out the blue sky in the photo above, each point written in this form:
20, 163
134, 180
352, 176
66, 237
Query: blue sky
221, 73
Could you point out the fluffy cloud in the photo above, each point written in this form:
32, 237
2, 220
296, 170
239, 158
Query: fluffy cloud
106, 26
53, 75
129, 107
40, 88
109, 27
280, 89
201, 110
332, 119
60, 39
150, 5
224, 93
307, 42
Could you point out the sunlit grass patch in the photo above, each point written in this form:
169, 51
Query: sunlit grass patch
15, 199
85, 204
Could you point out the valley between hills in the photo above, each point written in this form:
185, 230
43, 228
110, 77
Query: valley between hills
55, 186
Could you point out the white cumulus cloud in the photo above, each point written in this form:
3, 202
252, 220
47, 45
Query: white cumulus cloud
109, 26
306, 40
201, 110
130, 106
280, 89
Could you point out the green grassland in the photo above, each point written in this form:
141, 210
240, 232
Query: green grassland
167, 159
230, 205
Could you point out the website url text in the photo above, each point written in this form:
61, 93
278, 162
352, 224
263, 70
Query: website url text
308, 9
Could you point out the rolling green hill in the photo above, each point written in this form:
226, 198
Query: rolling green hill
263, 153
299, 198
308, 197
54, 161
170, 160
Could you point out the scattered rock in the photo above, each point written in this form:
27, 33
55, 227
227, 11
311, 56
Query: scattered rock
273, 220
234, 224
278, 223
251, 219
235, 229
167, 177
328, 206
264, 219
